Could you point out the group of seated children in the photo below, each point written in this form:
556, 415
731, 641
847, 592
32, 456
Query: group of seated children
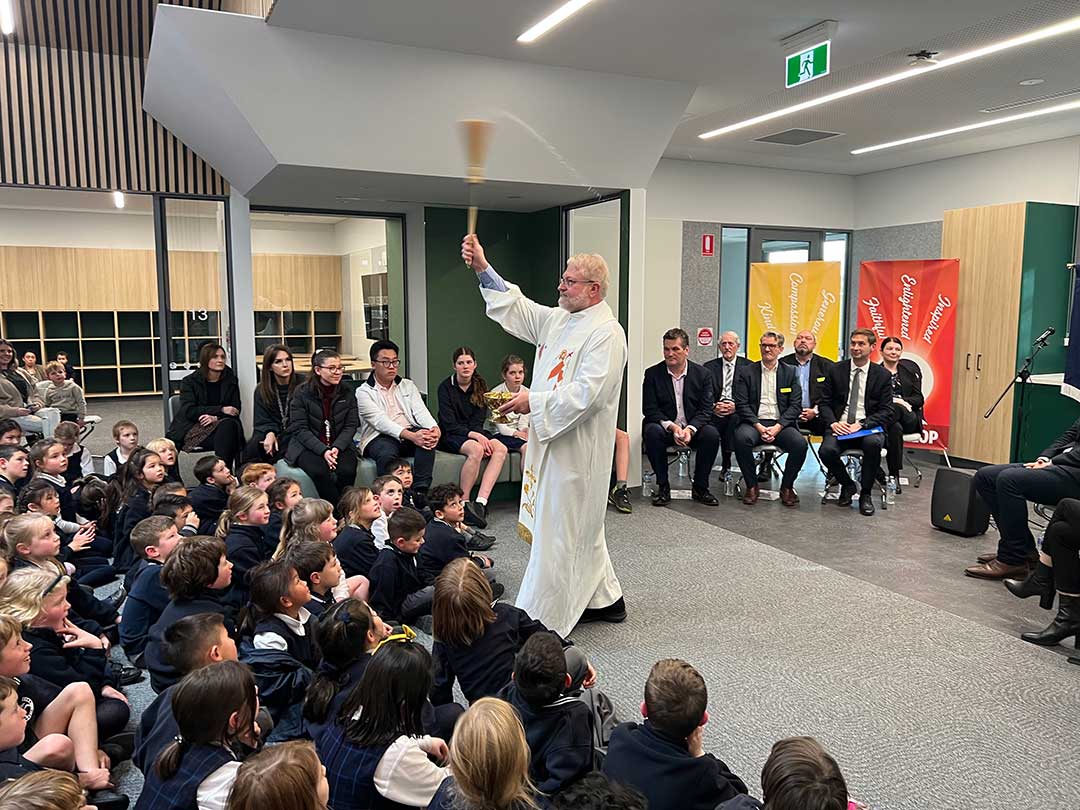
265, 618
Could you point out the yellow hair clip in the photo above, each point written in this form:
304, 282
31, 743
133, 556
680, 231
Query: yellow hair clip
406, 634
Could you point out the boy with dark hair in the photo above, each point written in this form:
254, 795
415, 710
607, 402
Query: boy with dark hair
317, 565
443, 542
397, 587
10, 432
558, 727
126, 436
799, 773
211, 496
595, 791
196, 575
179, 510
154, 539
14, 464
665, 757
390, 493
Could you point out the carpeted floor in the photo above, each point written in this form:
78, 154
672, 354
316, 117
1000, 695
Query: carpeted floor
922, 708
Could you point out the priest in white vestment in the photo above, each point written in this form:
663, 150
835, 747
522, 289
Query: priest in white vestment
573, 403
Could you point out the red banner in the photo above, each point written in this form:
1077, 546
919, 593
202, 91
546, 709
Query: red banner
916, 302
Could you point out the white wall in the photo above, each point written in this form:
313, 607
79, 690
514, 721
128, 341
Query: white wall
1038, 172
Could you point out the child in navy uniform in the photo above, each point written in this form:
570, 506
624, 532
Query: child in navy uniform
215, 710
80, 461
126, 436
443, 543
664, 758
14, 465
278, 642
241, 527
210, 498
179, 510
138, 479
196, 575
317, 565
355, 543
283, 495
154, 539
398, 591
166, 450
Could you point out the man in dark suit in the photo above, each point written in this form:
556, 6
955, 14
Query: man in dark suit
724, 369
857, 395
677, 399
1007, 488
767, 399
811, 369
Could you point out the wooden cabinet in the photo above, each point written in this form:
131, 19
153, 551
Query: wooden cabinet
1013, 284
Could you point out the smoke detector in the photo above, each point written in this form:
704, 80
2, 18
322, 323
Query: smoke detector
923, 58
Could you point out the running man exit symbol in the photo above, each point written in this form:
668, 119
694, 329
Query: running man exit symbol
809, 64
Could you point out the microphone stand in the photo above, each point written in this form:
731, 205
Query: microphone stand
1022, 375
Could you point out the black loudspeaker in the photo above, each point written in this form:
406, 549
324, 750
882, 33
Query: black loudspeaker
956, 507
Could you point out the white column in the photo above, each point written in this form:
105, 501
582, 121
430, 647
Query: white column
246, 361
635, 359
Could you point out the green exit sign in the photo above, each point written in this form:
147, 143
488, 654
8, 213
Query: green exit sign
809, 64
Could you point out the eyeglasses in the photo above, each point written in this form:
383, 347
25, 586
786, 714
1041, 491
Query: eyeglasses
332, 369
389, 363
769, 345
570, 282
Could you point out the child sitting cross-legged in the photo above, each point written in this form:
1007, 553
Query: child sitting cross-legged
55, 790
665, 757
39, 497
312, 519
154, 539
355, 543
196, 575
140, 476
398, 590
318, 566
380, 757
241, 527
215, 709
444, 543
277, 640
210, 497
347, 635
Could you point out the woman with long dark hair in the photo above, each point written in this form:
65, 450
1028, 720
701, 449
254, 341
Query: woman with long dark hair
907, 403
208, 416
19, 399
277, 384
323, 418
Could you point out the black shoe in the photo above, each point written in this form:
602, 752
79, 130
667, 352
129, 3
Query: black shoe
619, 497
497, 590
1040, 583
704, 496
117, 597
847, 493
1065, 624
479, 542
899, 489
476, 514
107, 799
662, 496
866, 505
126, 676
613, 613
119, 748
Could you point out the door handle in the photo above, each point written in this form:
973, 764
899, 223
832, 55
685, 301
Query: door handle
967, 362
978, 362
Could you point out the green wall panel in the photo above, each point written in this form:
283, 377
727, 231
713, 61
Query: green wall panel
525, 250
1044, 291
1047, 414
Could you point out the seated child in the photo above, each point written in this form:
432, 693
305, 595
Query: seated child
389, 491
192, 643
10, 432
196, 575
800, 773
126, 436
355, 544
398, 591
313, 519
80, 461
665, 757
318, 566
258, 475
401, 469
166, 450
179, 510
138, 478
241, 527
475, 640
64, 394
56, 790
54, 751
283, 495
443, 543
210, 498
48, 462
281, 776
277, 641
381, 758
594, 791
14, 466
347, 635
154, 539
558, 726
215, 709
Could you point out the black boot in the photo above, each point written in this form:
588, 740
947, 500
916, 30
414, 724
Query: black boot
1040, 583
1065, 624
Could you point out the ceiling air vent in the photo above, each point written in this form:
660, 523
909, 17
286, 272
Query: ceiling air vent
1024, 102
797, 137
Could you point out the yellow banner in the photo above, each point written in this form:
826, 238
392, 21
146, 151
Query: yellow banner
788, 298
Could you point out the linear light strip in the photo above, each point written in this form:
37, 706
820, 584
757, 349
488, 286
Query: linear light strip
1072, 105
1065, 27
554, 18
7, 17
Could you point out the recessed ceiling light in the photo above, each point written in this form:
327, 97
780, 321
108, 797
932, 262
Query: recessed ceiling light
7, 17
1031, 82
560, 14
1072, 105
1065, 27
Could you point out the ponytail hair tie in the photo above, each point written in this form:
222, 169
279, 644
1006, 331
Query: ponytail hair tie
178, 739
345, 616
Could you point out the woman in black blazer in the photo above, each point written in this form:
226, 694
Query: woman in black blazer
323, 418
209, 412
277, 384
907, 402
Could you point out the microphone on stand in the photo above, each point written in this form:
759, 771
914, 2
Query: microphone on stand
1043, 337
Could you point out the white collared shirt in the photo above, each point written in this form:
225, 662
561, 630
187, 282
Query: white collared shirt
678, 382
728, 380
272, 641
860, 409
768, 408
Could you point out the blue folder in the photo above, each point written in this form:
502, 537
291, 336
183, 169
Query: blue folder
858, 434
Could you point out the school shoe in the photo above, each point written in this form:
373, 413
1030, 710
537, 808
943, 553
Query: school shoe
613, 613
107, 799
703, 496
126, 676
1065, 624
847, 493
619, 497
476, 514
866, 505
479, 542
119, 747
117, 597
497, 590
662, 496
